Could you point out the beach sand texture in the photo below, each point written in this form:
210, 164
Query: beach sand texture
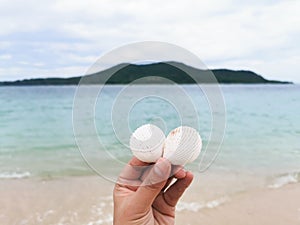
88, 200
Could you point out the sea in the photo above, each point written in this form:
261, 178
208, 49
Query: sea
257, 128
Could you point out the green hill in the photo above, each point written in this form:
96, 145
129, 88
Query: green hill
153, 74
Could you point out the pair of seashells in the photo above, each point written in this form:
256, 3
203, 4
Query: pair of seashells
183, 144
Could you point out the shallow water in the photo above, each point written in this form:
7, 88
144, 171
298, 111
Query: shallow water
37, 139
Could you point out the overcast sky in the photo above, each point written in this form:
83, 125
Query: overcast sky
63, 38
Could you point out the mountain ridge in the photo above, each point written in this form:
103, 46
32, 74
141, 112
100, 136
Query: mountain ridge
154, 73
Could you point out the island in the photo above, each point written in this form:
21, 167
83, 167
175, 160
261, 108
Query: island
154, 73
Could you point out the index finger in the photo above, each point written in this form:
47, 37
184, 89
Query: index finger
132, 171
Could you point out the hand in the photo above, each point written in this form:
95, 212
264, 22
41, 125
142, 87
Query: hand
142, 194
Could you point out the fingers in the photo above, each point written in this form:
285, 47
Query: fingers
152, 185
131, 173
176, 172
179, 172
175, 191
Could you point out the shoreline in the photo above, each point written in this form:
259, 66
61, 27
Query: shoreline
88, 200
150, 84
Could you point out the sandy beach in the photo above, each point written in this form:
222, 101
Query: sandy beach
88, 200
259, 207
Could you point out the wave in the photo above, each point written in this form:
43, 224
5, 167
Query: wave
14, 175
196, 206
99, 211
285, 179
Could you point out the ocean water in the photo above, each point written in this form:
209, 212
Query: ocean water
37, 138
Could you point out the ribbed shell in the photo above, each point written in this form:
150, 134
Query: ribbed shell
182, 145
146, 143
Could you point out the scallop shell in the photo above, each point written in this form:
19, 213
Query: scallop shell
182, 145
146, 143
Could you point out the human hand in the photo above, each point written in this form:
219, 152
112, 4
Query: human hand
142, 194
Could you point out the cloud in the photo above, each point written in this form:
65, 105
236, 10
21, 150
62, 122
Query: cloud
5, 57
13, 73
276, 69
59, 35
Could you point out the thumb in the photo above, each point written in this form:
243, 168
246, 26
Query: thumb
153, 184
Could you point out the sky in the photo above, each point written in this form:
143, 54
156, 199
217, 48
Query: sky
64, 38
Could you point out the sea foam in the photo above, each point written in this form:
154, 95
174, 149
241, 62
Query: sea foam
196, 206
14, 175
98, 210
284, 180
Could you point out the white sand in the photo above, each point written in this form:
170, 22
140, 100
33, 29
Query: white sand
87, 200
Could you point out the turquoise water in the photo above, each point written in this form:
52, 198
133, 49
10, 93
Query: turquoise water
37, 139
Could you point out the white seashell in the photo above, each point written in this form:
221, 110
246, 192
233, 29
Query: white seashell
182, 145
146, 143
